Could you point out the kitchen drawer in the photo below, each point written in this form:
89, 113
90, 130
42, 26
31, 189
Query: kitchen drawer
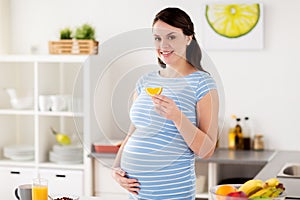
63, 181
104, 183
11, 177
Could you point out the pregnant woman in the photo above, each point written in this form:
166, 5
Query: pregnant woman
156, 159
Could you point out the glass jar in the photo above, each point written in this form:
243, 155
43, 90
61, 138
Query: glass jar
258, 143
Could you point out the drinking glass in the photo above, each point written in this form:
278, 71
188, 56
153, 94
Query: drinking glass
40, 189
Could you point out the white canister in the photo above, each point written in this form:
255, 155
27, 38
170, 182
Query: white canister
58, 103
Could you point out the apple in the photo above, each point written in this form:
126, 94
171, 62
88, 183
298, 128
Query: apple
239, 194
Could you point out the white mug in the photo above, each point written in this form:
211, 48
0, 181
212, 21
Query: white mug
44, 103
58, 103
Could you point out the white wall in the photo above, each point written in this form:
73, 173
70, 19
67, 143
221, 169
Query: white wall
4, 26
259, 84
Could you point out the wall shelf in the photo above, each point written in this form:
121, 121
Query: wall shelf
16, 112
61, 114
51, 165
7, 162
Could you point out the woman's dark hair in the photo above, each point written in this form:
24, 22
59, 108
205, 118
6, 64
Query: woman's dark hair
179, 19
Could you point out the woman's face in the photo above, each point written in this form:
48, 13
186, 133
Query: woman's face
170, 43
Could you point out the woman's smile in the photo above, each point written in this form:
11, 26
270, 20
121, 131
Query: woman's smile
166, 54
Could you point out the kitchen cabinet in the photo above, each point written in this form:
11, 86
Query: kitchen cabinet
11, 177
58, 180
104, 183
33, 76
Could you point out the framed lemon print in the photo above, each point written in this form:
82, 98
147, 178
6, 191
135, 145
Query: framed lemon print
233, 26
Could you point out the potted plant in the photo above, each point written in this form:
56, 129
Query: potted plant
66, 34
85, 32
81, 42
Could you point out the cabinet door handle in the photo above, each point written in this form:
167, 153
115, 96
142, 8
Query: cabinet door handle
60, 176
14, 172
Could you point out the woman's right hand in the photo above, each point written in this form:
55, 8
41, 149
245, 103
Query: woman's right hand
130, 184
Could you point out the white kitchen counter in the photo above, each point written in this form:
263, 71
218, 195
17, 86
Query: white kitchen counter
108, 197
273, 168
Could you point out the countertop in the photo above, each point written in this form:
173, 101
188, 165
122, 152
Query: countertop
106, 197
222, 155
240, 156
273, 167
102, 155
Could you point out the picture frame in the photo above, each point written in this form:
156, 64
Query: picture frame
233, 26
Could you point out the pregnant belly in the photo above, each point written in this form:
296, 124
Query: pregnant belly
162, 169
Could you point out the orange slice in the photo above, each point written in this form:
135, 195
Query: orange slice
154, 91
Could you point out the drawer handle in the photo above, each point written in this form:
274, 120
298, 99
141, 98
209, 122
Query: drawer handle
14, 172
60, 176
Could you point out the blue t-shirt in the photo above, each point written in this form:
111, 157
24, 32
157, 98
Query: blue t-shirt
156, 153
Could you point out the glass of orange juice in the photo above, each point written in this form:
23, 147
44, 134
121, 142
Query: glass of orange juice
40, 189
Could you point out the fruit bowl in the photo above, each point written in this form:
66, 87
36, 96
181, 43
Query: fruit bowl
239, 196
65, 197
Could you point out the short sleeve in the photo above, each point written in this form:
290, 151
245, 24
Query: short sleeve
206, 83
139, 85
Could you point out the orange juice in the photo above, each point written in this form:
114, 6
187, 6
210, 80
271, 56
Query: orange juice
39, 193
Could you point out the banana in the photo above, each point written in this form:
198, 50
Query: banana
261, 198
252, 186
277, 192
279, 189
272, 182
265, 192
257, 189
269, 192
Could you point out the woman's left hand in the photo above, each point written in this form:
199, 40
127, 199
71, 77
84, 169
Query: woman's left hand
166, 107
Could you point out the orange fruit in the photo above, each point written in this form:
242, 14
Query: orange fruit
225, 190
154, 91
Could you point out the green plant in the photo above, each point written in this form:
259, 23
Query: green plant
85, 32
66, 34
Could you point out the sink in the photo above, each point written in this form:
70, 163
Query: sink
290, 170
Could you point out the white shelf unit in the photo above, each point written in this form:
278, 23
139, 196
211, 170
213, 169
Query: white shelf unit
43, 75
